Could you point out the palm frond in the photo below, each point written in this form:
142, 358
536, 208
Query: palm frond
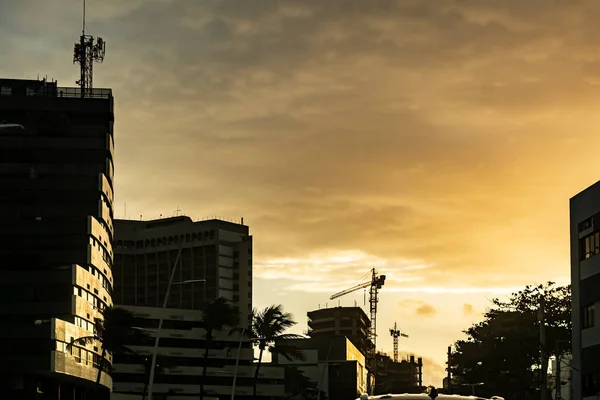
82, 341
290, 352
289, 336
218, 315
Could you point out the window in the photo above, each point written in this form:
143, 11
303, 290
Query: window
588, 319
590, 245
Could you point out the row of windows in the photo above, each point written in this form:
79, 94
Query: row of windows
85, 324
82, 355
96, 303
106, 254
165, 241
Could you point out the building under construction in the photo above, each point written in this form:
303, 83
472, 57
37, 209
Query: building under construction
404, 376
351, 322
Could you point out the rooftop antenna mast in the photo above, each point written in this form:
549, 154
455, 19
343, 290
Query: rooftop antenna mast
85, 53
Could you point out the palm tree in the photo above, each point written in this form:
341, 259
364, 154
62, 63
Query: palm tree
218, 314
268, 327
114, 332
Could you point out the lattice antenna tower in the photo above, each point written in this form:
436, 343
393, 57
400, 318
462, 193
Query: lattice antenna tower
86, 52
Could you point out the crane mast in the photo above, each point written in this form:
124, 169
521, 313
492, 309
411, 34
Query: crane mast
374, 285
395, 332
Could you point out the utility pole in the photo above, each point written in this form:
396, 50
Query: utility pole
558, 383
544, 370
449, 373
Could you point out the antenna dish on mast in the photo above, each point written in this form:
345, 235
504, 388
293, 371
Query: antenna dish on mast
86, 52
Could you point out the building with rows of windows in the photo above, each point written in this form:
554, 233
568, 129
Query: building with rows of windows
56, 235
585, 281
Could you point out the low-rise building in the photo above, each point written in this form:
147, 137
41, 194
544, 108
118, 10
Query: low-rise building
333, 363
398, 377
181, 360
565, 371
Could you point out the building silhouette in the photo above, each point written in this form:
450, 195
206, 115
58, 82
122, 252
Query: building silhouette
404, 376
351, 322
585, 280
211, 259
181, 361
333, 364
56, 235
215, 251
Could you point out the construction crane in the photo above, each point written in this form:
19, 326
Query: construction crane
85, 53
395, 332
375, 284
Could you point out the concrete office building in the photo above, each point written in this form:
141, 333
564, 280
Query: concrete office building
56, 234
585, 281
216, 251
181, 357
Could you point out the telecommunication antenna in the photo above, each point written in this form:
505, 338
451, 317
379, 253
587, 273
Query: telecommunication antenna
85, 53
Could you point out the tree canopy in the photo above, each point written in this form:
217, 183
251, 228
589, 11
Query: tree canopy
502, 353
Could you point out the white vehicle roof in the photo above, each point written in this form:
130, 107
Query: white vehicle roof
424, 396
7, 126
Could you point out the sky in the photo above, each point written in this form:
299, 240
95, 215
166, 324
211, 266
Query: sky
437, 141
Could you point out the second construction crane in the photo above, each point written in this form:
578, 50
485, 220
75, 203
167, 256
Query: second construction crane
375, 284
395, 332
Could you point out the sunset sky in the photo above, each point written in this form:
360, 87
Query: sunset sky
438, 141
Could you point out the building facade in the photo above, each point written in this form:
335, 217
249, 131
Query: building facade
351, 322
585, 280
335, 366
181, 360
564, 384
213, 259
56, 235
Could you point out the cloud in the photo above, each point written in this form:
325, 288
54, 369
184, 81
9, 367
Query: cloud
426, 310
418, 307
468, 309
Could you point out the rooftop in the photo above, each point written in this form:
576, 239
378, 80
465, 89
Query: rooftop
182, 220
44, 88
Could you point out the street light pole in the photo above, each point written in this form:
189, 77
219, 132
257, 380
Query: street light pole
160, 323
237, 362
544, 369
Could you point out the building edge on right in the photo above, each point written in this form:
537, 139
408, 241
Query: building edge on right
584, 232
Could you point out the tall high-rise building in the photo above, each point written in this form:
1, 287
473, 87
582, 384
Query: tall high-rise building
585, 281
56, 234
213, 258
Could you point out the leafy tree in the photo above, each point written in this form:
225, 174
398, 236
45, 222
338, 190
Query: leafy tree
114, 332
217, 315
503, 351
269, 326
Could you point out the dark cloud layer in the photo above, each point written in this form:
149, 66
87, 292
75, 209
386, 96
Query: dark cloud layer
450, 133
